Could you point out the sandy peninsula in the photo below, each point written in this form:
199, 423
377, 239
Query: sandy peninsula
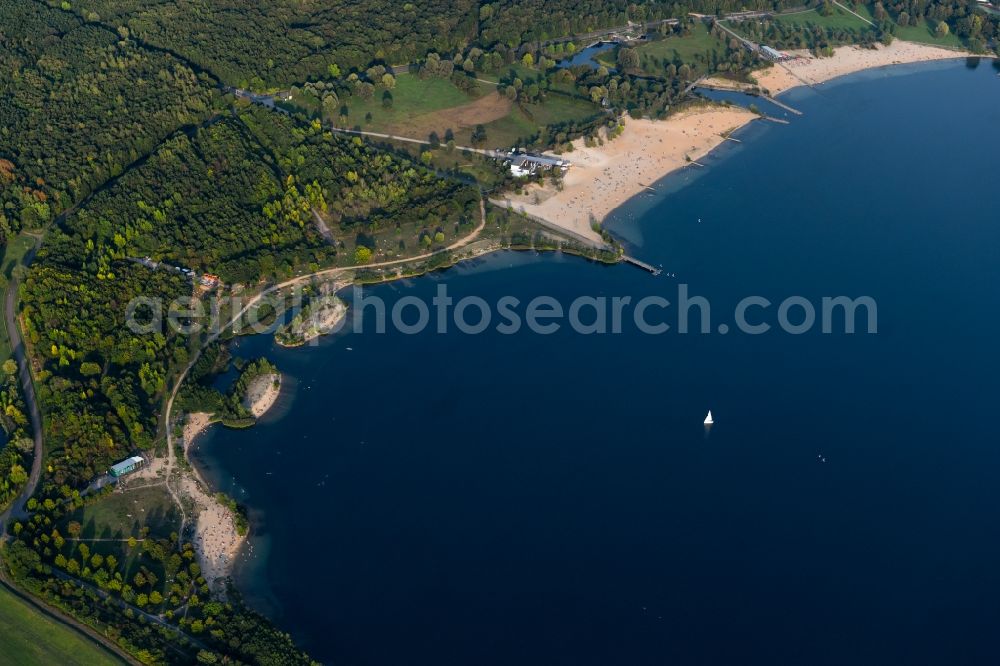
320, 318
262, 393
602, 178
807, 69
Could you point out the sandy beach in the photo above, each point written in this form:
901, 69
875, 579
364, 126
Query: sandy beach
262, 393
809, 70
604, 177
216, 540
194, 425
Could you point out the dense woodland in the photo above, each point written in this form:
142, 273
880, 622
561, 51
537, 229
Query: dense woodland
280, 42
198, 202
217, 201
267, 45
363, 189
78, 106
98, 382
15, 452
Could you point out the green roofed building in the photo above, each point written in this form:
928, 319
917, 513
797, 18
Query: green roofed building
126, 466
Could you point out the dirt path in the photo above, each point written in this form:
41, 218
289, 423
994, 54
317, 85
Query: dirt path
393, 137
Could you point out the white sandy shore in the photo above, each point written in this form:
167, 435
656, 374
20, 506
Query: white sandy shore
262, 393
809, 70
194, 425
604, 177
216, 540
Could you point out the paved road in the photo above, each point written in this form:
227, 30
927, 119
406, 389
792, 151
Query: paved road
17, 509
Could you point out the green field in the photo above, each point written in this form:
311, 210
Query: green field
121, 515
924, 34
517, 127
838, 20
14, 254
411, 98
29, 638
695, 50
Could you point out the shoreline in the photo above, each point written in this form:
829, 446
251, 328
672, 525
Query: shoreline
323, 319
692, 134
262, 393
808, 70
604, 178
216, 539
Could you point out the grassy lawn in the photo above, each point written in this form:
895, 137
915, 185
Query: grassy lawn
413, 99
924, 34
29, 638
13, 255
838, 20
517, 127
695, 50
122, 515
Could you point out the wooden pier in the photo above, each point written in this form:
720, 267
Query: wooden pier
782, 105
641, 264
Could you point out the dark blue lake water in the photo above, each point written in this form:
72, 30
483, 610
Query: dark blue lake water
588, 56
528, 499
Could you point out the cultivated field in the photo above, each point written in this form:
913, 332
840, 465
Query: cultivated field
29, 638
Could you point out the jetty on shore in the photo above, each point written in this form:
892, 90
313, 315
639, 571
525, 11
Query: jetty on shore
641, 264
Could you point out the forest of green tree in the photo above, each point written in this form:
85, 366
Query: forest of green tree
79, 105
15, 452
280, 42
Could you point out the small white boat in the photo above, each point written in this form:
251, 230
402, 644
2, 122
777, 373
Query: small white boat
708, 419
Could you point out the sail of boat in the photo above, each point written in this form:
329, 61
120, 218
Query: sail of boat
708, 419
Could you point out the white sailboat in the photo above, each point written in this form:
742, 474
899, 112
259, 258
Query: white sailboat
708, 419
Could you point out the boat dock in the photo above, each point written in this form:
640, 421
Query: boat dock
641, 264
782, 105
